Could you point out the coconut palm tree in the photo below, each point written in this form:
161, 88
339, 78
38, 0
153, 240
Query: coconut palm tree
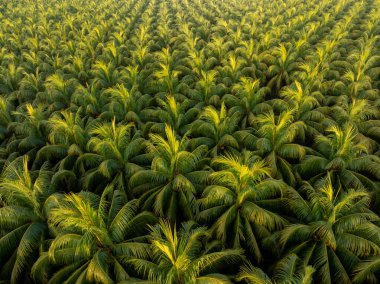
32, 87
178, 114
248, 100
207, 91
126, 104
95, 237
90, 97
59, 91
24, 205
305, 104
168, 77
170, 185
78, 68
30, 129
198, 62
253, 275
218, 47
5, 117
335, 232
359, 112
282, 64
249, 50
115, 153
105, 74
341, 156
181, 256
215, 129
167, 73
10, 78
68, 137
276, 145
242, 203
357, 77
232, 69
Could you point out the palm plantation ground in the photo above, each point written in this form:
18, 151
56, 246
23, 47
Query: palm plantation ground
190, 142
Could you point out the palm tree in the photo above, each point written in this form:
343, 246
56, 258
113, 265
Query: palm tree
357, 77
126, 104
304, 103
215, 112
95, 238
168, 77
341, 156
23, 221
78, 68
240, 203
218, 47
207, 90
178, 114
90, 97
169, 187
315, 68
141, 55
281, 66
248, 100
167, 73
232, 69
132, 77
10, 78
334, 233
275, 143
249, 50
359, 112
199, 62
32, 87
114, 54
59, 91
5, 117
215, 129
114, 154
105, 74
181, 257
30, 129
68, 137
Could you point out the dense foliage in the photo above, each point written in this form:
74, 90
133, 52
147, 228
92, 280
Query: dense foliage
181, 141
